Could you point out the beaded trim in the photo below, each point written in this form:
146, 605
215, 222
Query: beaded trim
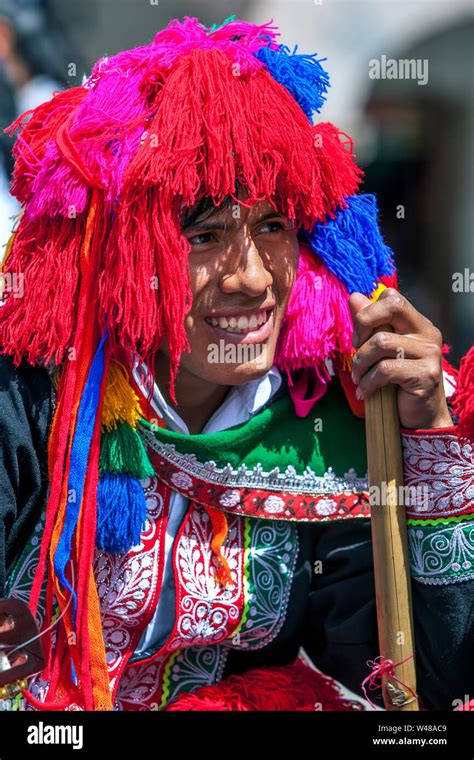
257, 478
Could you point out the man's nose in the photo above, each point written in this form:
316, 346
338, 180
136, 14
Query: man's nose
246, 270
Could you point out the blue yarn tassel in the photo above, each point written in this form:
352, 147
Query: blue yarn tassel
121, 512
302, 75
80, 449
351, 245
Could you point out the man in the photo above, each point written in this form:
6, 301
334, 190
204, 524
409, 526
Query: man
197, 270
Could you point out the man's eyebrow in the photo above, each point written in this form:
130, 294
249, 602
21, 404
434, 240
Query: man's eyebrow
216, 224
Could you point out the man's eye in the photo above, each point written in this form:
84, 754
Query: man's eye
271, 227
202, 239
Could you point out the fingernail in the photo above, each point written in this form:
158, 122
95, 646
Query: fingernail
353, 377
359, 394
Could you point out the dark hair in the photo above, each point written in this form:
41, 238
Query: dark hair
204, 208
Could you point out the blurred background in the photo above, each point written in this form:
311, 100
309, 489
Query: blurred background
414, 138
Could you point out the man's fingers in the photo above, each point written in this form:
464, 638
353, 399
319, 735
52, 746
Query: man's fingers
392, 309
387, 345
414, 376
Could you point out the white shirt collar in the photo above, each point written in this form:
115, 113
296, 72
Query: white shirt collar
239, 405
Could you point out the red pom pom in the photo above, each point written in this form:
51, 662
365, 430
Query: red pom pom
289, 687
463, 399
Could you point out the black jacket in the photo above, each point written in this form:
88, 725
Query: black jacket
332, 614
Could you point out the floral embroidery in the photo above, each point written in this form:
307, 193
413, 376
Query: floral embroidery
181, 480
442, 553
127, 584
140, 686
326, 507
205, 611
266, 504
443, 465
230, 498
274, 504
207, 616
153, 685
127, 588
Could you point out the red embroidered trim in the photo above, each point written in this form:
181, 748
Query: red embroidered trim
140, 688
206, 613
260, 502
129, 584
439, 464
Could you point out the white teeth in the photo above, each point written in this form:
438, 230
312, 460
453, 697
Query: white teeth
239, 324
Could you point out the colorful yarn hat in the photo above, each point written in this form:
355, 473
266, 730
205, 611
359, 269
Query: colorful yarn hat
104, 172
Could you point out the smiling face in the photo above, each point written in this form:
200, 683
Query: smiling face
242, 267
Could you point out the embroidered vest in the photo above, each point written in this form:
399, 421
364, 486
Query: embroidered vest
261, 549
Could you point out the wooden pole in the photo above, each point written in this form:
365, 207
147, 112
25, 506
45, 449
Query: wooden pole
390, 547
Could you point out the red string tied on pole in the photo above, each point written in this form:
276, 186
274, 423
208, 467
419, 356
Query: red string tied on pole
383, 666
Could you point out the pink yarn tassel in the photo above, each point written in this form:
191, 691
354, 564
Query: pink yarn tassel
318, 324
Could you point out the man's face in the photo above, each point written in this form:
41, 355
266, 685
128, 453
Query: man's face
242, 266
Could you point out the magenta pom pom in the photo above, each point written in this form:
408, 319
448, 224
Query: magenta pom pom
318, 323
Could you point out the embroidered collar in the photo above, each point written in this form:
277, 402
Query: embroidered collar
274, 450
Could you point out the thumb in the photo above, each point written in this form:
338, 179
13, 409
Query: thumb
358, 301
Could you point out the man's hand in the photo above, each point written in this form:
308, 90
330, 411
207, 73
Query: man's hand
409, 357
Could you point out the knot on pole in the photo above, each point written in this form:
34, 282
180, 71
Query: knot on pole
385, 666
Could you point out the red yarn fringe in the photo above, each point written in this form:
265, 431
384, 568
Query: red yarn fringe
290, 687
36, 134
44, 265
239, 130
463, 399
